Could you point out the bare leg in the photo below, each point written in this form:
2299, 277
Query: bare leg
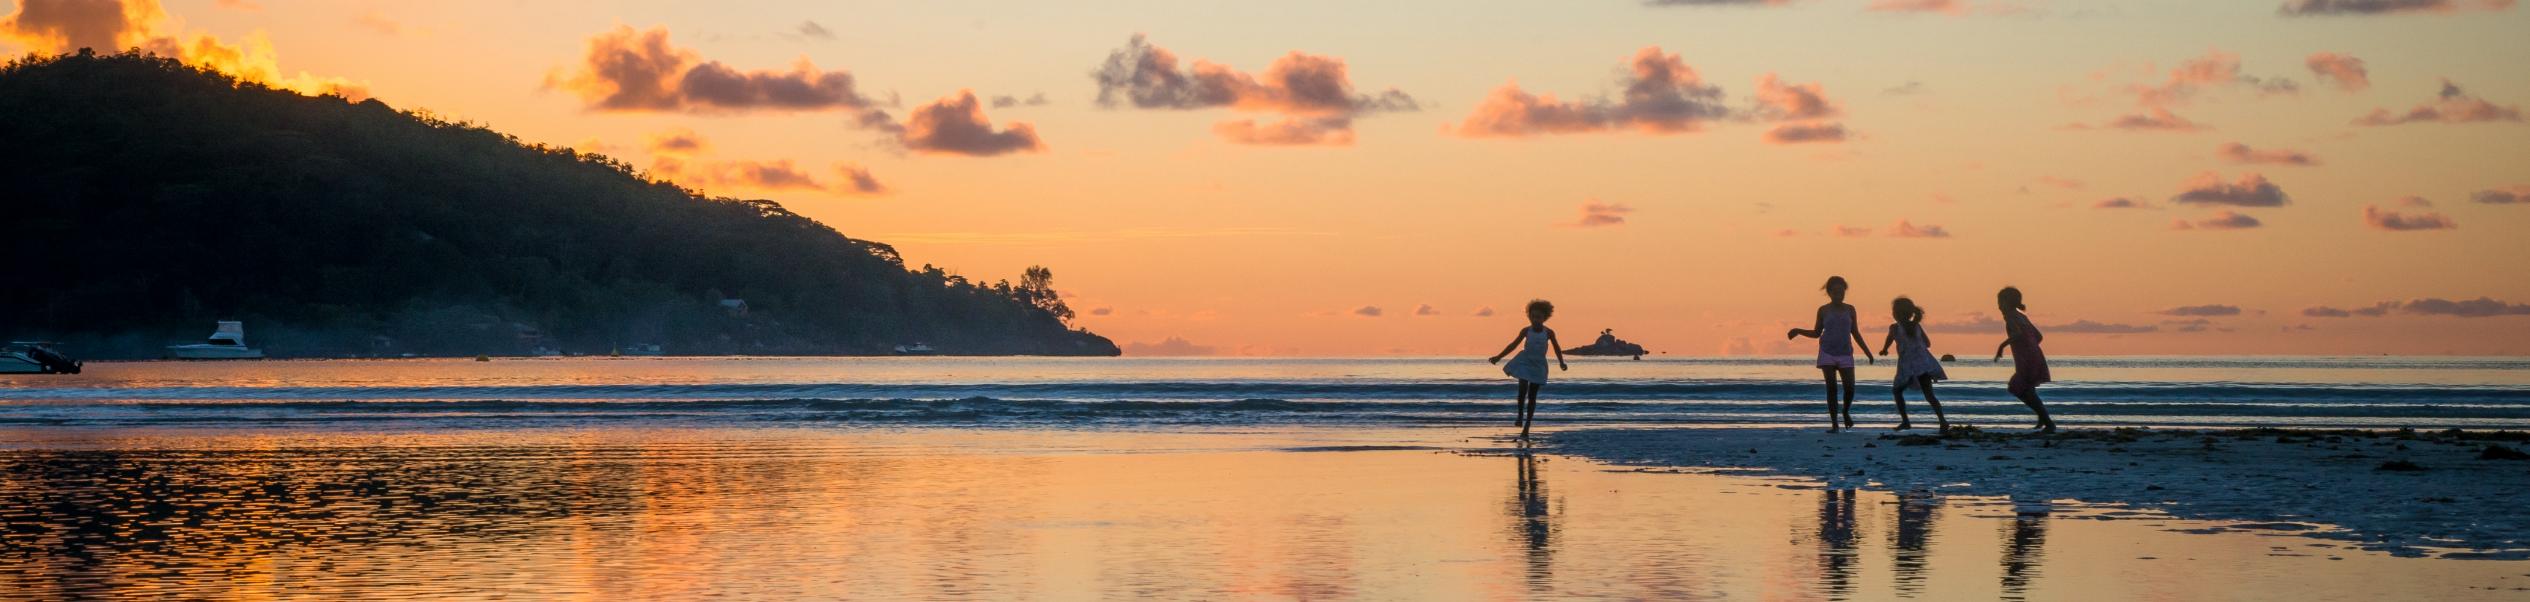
1903, 421
1529, 409
1519, 405
1830, 374
2028, 394
1925, 385
1848, 410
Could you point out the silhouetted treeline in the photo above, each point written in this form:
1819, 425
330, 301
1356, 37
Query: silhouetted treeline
144, 199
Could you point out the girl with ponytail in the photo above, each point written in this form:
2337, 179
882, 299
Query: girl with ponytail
2029, 364
1916, 365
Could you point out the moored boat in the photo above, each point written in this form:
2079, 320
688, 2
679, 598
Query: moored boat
227, 342
35, 357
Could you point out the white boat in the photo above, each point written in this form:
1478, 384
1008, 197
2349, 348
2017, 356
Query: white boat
228, 342
35, 357
914, 349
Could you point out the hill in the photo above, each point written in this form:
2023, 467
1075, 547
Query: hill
145, 199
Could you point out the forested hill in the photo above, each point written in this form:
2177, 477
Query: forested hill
145, 199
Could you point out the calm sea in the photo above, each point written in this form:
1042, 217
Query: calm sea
2384, 392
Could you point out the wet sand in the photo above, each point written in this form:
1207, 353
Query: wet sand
681, 513
2405, 492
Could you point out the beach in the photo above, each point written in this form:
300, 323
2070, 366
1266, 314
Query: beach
943, 478
2447, 494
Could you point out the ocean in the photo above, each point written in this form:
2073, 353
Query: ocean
2364, 392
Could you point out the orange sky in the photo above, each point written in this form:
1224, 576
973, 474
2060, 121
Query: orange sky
1260, 175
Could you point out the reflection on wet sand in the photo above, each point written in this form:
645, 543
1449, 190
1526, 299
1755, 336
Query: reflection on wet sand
1533, 525
1910, 543
2023, 555
1836, 541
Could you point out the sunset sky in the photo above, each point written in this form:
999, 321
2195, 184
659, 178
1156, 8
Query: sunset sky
1340, 178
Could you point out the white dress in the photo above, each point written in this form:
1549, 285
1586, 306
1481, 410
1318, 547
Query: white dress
1530, 364
1915, 357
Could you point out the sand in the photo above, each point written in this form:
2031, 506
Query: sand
2407, 493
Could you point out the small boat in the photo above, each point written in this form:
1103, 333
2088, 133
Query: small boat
1608, 346
915, 349
35, 357
227, 342
640, 349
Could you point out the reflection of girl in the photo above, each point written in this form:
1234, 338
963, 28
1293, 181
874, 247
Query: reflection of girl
1915, 364
1530, 366
2029, 364
1834, 329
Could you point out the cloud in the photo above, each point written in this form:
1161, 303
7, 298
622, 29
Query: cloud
2414, 201
2481, 307
1426, 310
2452, 105
2217, 69
1033, 100
1851, 231
2090, 327
1661, 95
2252, 190
1484, 312
1906, 229
61, 26
2297, 8
674, 157
1313, 93
2515, 194
857, 180
2344, 70
1168, 347
379, 22
1296, 131
1790, 102
1596, 214
2241, 153
641, 71
2220, 221
2384, 219
1800, 133
1978, 322
955, 125
678, 142
1103, 311
811, 30
1367, 311
2203, 310
2119, 203
2151, 119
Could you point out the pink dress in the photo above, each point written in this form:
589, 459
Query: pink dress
2029, 364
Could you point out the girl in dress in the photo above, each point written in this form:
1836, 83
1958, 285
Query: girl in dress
1916, 365
1530, 366
2029, 365
1837, 339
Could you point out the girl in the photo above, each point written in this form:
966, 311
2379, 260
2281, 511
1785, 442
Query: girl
1916, 364
1530, 366
2029, 365
1834, 329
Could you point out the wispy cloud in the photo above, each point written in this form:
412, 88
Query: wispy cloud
2343, 70
2251, 190
2481, 307
2396, 221
1312, 94
1661, 95
2220, 221
1596, 214
2451, 105
2241, 153
2298, 8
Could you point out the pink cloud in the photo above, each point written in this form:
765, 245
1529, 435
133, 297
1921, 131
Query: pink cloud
1851, 231
2241, 153
2251, 190
2220, 221
1596, 214
629, 70
1792, 102
1661, 95
1804, 133
2119, 203
2510, 195
956, 125
2295, 8
2384, 219
2452, 105
1296, 131
1907, 229
1313, 93
2344, 70
1947, 7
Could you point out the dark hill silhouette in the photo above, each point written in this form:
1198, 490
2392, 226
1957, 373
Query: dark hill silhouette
145, 199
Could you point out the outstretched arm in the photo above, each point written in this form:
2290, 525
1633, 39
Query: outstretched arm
1506, 349
1558, 346
1817, 323
1886, 341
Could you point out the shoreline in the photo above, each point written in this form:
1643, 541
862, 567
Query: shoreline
2449, 494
